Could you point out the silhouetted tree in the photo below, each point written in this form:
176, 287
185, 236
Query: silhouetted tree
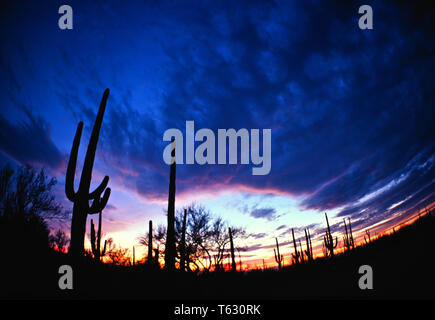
220, 240
116, 255
158, 238
26, 204
205, 242
59, 241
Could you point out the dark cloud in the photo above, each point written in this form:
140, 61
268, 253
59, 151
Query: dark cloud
258, 235
348, 109
267, 213
29, 142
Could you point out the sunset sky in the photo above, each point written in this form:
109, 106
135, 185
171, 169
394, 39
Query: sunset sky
351, 111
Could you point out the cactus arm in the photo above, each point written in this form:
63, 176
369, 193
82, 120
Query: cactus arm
93, 246
99, 190
88, 165
100, 203
100, 214
72, 162
103, 253
351, 235
150, 241
170, 249
233, 259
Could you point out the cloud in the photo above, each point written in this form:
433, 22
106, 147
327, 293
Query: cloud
258, 235
266, 213
29, 142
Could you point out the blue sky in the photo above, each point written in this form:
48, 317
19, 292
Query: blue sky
351, 111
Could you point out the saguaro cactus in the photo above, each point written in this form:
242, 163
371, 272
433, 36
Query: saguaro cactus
82, 197
368, 239
170, 249
150, 242
96, 240
329, 240
348, 237
278, 257
233, 257
309, 251
297, 255
183, 242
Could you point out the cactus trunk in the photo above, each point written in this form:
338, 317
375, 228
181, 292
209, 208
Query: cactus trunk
278, 257
297, 255
348, 237
233, 257
150, 242
309, 251
183, 243
170, 233
96, 240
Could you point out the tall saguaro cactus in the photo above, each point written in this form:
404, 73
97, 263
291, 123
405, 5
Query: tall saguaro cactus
297, 255
233, 257
278, 257
82, 197
328, 240
170, 249
309, 251
150, 242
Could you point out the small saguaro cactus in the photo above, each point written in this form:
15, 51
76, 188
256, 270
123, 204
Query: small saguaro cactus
297, 255
302, 252
309, 251
278, 257
81, 198
368, 239
183, 242
328, 240
96, 240
348, 237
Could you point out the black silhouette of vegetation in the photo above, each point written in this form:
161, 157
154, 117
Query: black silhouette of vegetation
82, 197
96, 240
26, 204
309, 251
278, 257
170, 235
297, 256
328, 241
